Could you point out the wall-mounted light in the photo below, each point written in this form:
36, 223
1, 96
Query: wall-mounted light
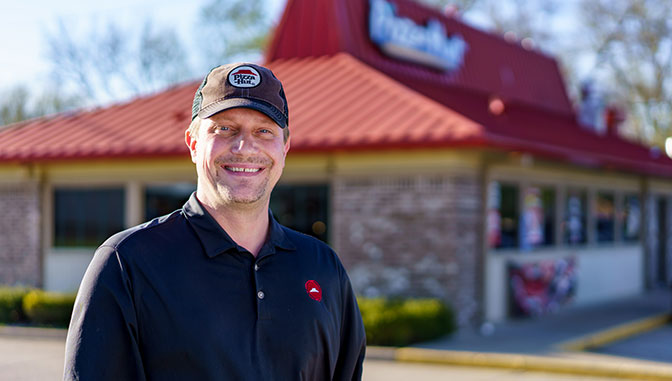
496, 106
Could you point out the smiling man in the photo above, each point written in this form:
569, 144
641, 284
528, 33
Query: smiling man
219, 290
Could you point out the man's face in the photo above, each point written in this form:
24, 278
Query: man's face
239, 155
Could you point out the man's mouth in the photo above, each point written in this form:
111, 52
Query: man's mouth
240, 169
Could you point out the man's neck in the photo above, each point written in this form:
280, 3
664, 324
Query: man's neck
247, 226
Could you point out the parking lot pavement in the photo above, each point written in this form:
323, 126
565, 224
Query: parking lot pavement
37, 355
31, 358
655, 345
41, 359
544, 335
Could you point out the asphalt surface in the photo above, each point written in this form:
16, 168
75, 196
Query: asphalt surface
655, 345
27, 358
546, 334
24, 358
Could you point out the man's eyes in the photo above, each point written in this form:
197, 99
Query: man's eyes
230, 130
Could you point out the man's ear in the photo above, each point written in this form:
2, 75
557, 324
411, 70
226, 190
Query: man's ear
287, 144
191, 143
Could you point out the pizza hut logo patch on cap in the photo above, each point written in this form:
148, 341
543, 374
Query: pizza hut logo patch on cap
314, 290
244, 76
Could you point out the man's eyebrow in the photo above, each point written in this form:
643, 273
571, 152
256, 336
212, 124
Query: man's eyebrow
225, 122
265, 121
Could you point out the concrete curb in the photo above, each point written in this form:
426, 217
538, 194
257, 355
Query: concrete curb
548, 364
538, 363
619, 332
33, 332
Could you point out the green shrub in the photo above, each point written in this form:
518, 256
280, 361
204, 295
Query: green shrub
11, 308
400, 322
49, 308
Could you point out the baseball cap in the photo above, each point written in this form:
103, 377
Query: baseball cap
241, 85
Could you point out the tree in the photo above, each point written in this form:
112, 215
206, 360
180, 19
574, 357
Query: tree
109, 62
630, 40
14, 107
19, 104
633, 44
518, 19
236, 29
113, 63
461, 6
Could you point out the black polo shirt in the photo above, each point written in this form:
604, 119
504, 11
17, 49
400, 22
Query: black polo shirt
177, 299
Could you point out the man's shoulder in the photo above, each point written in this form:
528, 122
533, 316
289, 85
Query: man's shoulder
147, 232
309, 246
302, 240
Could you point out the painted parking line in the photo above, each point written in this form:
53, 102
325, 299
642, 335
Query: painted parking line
612, 334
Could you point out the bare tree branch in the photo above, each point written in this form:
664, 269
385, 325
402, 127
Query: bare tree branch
235, 28
114, 62
633, 41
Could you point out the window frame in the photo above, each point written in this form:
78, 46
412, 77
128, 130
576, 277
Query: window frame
595, 225
562, 190
53, 215
143, 195
328, 218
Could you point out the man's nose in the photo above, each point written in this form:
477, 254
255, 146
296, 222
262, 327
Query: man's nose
243, 144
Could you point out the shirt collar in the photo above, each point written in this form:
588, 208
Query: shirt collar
216, 240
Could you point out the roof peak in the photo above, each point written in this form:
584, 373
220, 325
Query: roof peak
471, 58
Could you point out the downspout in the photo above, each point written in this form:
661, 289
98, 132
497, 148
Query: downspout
482, 246
36, 174
645, 229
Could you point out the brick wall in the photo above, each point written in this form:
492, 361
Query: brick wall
20, 262
411, 236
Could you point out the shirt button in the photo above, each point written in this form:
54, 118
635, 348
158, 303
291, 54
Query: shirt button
256, 267
260, 294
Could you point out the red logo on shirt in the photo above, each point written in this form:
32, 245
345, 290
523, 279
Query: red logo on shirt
314, 290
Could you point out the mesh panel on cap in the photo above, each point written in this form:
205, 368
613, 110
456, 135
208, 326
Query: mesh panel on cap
284, 100
198, 98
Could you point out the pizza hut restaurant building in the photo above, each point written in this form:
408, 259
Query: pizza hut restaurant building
437, 159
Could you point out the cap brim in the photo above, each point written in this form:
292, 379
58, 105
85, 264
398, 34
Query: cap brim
230, 103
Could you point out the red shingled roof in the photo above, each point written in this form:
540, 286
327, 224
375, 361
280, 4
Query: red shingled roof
335, 103
149, 126
340, 103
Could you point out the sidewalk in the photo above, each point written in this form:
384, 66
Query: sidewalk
557, 343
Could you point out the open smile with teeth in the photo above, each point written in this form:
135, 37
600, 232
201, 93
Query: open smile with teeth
238, 169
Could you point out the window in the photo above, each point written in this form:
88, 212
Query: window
574, 224
548, 202
502, 215
604, 217
538, 217
630, 218
161, 200
303, 208
86, 217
